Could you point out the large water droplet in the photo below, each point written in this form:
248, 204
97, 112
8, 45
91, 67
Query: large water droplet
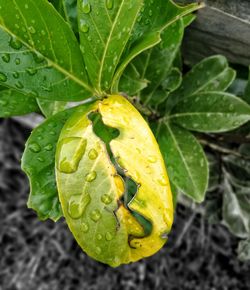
84, 26
3, 77
109, 4
91, 176
77, 205
6, 57
95, 215
71, 150
14, 43
93, 154
109, 236
34, 147
86, 8
106, 199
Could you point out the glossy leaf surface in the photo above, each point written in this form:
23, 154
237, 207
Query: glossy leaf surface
186, 162
13, 103
38, 162
39, 54
211, 112
91, 189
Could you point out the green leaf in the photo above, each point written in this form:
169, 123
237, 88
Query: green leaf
211, 74
186, 162
159, 59
131, 82
247, 90
149, 26
172, 81
50, 108
104, 31
39, 53
38, 162
13, 103
211, 112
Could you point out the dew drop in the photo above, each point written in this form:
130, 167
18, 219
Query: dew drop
32, 30
19, 85
84, 227
48, 147
84, 26
34, 147
109, 236
109, 4
6, 57
95, 215
16, 75
77, 205
99, 237
3, 77
162, 181
14, 43
93, 154
152, 159
41, 159
98, 250
91, 176
86, 8
106, 199
17, 61
31, 71
71, 151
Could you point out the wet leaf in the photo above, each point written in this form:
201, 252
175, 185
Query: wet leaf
38, 162
50, 108
13, 103
91, 187
39, 53
211, 112
186, 162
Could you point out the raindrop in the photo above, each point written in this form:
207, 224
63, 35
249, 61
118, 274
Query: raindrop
95, 215
32, 30
3, 77
48, 147
152, 159
14, 43
106, 199
34, 147
71, 151
162, 181
86, 8
31, 71
109, 4
16, 75
6, 57
41, 159
84, 26
98, 250
99, 237
77, 205
19, 85
93, 154
17, 61
90, 176
84, 227
109, 236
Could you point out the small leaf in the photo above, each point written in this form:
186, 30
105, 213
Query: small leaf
91, 187
211, 112
38, 162
186, 162
211, 74
39, 53
13, 103
148, 28
50, 108
104, 32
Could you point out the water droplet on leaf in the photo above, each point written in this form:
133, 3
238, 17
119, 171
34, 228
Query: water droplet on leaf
34, 147
95, 215
91, 176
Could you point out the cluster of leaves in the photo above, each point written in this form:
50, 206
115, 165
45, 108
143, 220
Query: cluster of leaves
83, 50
